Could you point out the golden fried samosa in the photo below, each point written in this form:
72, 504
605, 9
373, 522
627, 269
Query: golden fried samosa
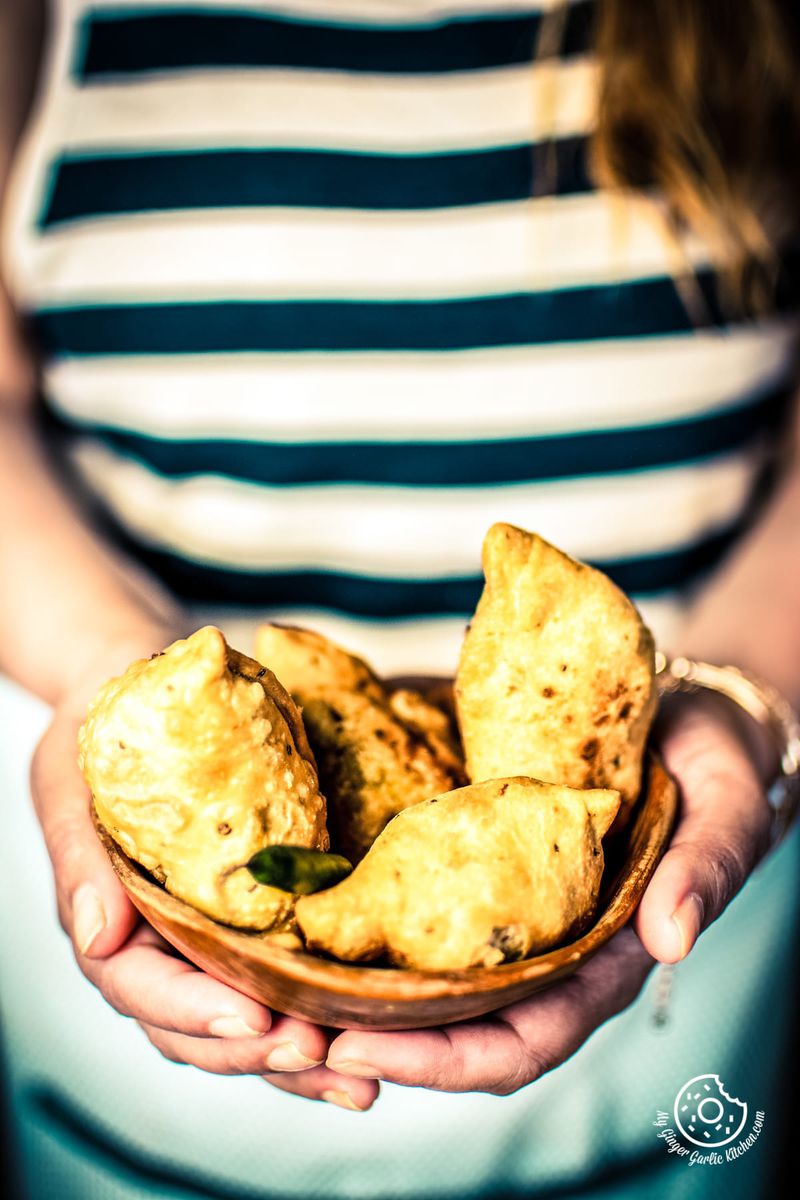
556, 678
197, 758
308, 663
377, 753
485, 874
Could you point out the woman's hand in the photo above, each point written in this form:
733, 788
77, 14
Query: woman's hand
723, 830
188, 1016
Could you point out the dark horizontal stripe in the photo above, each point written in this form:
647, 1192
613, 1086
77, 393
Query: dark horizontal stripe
373, 597
446, 464
121, 43
90, 186
637, 309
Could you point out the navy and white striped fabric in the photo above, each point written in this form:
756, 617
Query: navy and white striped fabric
323, 288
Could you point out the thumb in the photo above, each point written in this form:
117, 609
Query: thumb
722, 832
93, 907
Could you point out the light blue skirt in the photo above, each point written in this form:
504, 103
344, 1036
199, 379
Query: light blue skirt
97, 1112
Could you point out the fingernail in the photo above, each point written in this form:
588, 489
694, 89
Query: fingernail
286, 1057
362, 1070
688, 917
88, 917
231, 1027
343, 1099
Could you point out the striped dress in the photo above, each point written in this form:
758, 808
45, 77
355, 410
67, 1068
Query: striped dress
321, 289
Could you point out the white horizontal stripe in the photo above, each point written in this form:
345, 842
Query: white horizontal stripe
370, 12
397, 646
513, 392
398, 532
335, 110
305, 254
403, 646
664, 615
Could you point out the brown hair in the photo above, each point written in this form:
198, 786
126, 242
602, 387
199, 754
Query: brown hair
700, 100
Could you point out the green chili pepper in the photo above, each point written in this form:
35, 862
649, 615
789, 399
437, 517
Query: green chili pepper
298, 869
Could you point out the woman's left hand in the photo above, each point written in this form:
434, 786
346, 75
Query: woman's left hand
722, 832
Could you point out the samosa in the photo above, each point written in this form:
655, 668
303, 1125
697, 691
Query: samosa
196, 758
485, 874
377, 752
556, 678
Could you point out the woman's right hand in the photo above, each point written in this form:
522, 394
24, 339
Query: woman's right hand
187, 1015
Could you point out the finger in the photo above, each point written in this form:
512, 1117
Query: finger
722, 833
145, 981
93, 906
515, 1045
320, 1083
290, 1045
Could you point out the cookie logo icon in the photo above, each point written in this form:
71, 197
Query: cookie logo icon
706, 1115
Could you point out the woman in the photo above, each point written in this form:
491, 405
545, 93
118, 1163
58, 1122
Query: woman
313, 292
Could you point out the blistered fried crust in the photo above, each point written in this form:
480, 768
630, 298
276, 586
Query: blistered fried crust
371, 765
556, 678
308, 663
376, 753
196, 758
485, 874
433, 724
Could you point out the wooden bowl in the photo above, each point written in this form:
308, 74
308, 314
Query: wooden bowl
356, 997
